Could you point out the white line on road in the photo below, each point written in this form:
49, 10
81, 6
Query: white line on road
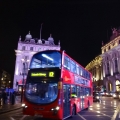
81, 116
12, 118
102, 113
115, 114
24, 117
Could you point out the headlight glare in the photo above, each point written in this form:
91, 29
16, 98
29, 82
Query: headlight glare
57, 108
23, 105
97, 97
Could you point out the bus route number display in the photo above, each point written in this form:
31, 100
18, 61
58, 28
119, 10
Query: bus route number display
43, 74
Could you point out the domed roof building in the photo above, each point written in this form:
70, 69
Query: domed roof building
25, 50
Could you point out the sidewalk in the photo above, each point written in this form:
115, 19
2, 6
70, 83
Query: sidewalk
9, 107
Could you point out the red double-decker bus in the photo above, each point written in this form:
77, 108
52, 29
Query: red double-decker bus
57, 87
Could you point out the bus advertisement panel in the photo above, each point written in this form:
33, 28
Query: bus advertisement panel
57, 87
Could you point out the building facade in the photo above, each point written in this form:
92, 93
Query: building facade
105, 68
5, 80
24, 52
95, 67
111, 62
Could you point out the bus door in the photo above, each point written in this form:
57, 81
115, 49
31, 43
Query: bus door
66, 100
82, 97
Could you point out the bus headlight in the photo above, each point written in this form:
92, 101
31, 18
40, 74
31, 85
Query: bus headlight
56, 108
97, 97
25, 106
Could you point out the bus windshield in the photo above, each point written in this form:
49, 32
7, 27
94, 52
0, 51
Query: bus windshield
46, 59
41, 93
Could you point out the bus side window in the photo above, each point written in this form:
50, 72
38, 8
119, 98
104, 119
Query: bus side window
77, 69
73, 66
78, 91
86, 92
81, 92
66, 63
73, 91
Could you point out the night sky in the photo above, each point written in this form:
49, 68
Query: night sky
80, 26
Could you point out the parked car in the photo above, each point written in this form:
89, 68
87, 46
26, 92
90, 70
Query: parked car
96, 97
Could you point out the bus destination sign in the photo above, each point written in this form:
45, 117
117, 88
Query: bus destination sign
43, 74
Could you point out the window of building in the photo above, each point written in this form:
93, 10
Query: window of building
104, 50
39, 49
109, 48
23, 47
116, 65
108, 69
31, 48
119, 41
113, 43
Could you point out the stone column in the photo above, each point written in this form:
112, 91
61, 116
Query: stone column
113, 85
17, 68
106, 84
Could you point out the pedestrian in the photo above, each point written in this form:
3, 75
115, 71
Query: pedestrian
4, 96
13, 98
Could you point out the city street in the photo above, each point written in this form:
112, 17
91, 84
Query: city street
103, 110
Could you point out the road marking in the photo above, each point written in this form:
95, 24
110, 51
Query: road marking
81, 116
102, 113
12, 118
24, 117
115, 114
106, 115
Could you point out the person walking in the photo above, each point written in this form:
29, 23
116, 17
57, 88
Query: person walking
13, 98
4, 96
